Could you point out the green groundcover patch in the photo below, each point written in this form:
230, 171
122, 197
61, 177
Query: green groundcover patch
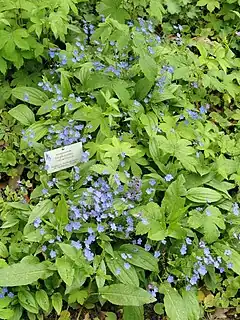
119, 159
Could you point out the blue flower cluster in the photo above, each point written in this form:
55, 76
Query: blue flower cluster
5, 293
203, 261
72, 132
97, 206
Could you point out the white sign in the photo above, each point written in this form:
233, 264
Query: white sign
63, 158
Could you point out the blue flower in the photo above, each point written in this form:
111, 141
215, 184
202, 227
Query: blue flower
202, 270
11, 295
157, 254
53, 254
183, 249
118, 271
194, 280
170, 279
147, 247
188, 241
152, 182
76, 244
124, 256
227, 252
230, 265
235, 209
168, 177
37, 222
88, 254
127, 265
149, 190
26, 97
44, 191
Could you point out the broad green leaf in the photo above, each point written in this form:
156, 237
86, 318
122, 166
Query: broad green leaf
31, 95
40, 210
23, 114
209, 221
116, 266
121, 91
3, 65
28, 301
3, 250
191, 304
57, 302
133, 313
42, 299
203, 195
22, 274
65, 270
6, 314
156, 10
148, 67
173, 302
233, 258
126, 295
140, 257
61, 212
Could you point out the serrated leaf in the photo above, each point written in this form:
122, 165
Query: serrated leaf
126, 295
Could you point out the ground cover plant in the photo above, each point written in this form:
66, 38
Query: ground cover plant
146, 225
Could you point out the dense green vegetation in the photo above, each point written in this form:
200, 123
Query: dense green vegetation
147, 223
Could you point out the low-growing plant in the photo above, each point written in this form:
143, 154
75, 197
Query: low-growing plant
150, 214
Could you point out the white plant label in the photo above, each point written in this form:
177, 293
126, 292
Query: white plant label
63, 158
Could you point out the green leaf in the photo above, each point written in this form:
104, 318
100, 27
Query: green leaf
233, 258
57, 302
42, 299
143, 86
3, 250
6, 314
27, 301
140, 257
61, 212
203, 195
3, 65
173, 302
148, 67
116, 266
191, 304
31, 95
133, 313
65, 270
126, 295
23, 114
22, 274
156, 10
40, 210
210, 220
121, 91
8, 157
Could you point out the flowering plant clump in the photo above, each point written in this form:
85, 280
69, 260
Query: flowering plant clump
146, 223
